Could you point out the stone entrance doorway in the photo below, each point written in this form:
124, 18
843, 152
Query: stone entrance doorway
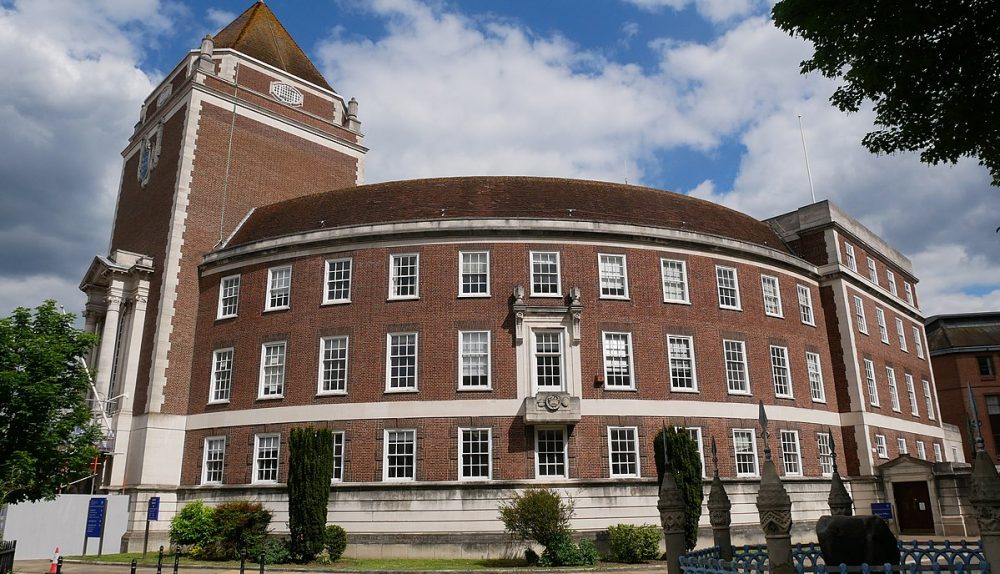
913, 503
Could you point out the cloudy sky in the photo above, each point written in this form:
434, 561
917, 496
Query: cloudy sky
695, 96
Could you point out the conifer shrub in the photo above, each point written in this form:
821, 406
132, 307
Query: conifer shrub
310, 468
685, 465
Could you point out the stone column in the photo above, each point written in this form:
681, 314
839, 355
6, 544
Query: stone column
109, 335
985, 495
671, 507
840, 501
719, 511
775, 509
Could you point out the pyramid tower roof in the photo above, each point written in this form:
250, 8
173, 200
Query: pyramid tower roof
258, 34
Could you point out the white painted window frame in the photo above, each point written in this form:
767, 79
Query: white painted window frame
601, 276
631, 386
881, 447
634, 452
221, 314
385, 455
462, 274
852, 262
531, 273
696, 435
691, 357
213, 386
901, 333
416, 363
261, 394
743, 360
664, 264
872, 383
394, 277
725, 270
320, 383
257, 460
911, 394
342, 436
562, 360
872, 271
890, 375
753, 452
348, 270
565, 453
461, 361
928, 399
794, 434
806, 313
271, 288
462, 453
883, 328
772, 301
204, 460
783, 351
814, 368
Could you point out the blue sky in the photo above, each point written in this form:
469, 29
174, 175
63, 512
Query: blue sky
695, 96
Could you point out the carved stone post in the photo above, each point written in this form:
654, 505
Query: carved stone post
719, 514
775, 509
840, 501
671, 507
985, 495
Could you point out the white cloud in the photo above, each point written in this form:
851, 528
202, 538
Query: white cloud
70, 70
713, 10
220, 18
444, 94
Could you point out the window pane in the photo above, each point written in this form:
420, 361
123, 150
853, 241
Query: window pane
779, 369
279, 287
404, 276
338, 456
545, 274
222, 375
551, 452
475, 359
334, 364
617, 360
746, 452
267, 458
872, 385
790, 453
475, 448
681, 362
548, 360
272, 381
825, 453
338, 280
215, 453
612, 271
736, 367
229, 296
772, 295
475, 273
403, 361
805, 304
400, 449
815, 377
623, 451
674, 281
729, 295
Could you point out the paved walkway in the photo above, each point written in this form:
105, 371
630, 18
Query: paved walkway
42, 567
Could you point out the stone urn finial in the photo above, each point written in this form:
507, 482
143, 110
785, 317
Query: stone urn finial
840, 501
720, 511
775, 509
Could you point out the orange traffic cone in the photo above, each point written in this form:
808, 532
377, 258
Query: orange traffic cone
53, 566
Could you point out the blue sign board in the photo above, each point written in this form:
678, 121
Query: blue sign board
153, 510
95, 517
882, 509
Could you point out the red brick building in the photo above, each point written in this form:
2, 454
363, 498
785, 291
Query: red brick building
965, 351
465, 337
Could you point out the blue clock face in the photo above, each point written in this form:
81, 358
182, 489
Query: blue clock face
144, 162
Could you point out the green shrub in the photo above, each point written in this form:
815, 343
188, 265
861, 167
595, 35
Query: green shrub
633, 544
537, 514
275, 551
564, 552
685, 464
194, 524
242, 525
334, 542
310, 467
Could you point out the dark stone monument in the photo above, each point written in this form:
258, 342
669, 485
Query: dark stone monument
856, 540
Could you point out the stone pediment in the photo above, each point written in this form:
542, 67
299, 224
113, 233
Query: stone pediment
906, 467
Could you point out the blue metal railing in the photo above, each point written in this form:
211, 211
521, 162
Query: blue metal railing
915, 557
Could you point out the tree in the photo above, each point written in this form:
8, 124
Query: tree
310, 468
47, 431
685, 464
930, 68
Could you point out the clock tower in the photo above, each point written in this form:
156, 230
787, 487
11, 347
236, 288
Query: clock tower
244, 121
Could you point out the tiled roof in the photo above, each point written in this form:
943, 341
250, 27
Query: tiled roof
502, 197
258, 34
963, 331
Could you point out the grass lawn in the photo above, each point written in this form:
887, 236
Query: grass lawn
430, 564
342, 564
